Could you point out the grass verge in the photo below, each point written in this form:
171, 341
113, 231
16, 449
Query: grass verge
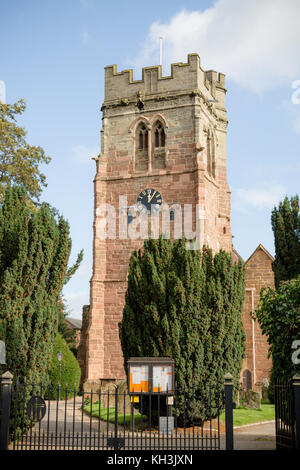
242, 416
108, 414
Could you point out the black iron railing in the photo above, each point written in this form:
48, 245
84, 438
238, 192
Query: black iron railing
187, 419
287, 414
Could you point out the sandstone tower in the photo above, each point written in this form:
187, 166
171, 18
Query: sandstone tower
168, 134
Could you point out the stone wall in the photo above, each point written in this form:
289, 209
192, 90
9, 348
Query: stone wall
258, 274
81, 353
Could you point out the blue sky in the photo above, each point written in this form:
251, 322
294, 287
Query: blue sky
53, 54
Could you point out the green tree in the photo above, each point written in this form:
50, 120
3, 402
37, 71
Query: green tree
286, 227
19, 161
278, 315
70, 371
67, 333
187, 305
34, 253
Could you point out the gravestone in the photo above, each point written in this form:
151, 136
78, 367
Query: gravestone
250, 400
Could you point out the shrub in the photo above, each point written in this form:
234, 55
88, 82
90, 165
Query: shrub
34, 251
187, 305
35, 245
279, 319
70, 371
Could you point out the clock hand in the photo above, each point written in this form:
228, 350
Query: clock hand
149, 200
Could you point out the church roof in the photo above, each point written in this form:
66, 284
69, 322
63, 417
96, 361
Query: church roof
76, 323
236, 256
261, 247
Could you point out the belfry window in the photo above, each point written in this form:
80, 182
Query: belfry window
159, 136
141, 147
158, 150
143, 138
210, 154
150, 148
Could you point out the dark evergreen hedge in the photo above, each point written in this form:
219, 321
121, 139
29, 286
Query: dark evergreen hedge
35, 245
185, 304
70, 371
286, 228
34, 252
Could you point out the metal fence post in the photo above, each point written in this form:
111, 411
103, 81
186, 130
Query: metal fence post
296, 391
116, 446
228, 411
6, 385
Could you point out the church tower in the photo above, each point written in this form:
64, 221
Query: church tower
163, 140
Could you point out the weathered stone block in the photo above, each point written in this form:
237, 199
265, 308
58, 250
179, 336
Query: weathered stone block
250, 399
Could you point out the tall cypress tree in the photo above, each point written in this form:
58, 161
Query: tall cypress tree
286, 227
185, 304
34, 253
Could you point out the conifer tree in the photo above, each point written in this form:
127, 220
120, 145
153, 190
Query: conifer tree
286, 227
187, 305
34, 254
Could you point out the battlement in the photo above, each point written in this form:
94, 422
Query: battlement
184, 76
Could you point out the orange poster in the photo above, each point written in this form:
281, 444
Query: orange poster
139, 378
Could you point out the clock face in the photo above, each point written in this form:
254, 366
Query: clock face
149, 198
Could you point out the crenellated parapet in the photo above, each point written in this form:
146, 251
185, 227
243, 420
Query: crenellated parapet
184, 77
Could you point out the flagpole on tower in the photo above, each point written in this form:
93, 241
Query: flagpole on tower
160, 50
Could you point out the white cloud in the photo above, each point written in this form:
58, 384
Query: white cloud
83, 154
2, 92
292, 109
254, 42
266, 196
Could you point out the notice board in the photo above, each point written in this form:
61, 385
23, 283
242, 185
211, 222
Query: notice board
151, 375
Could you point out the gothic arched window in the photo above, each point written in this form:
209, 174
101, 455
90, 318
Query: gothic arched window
158, 146
160, 137
141, 146
210, 154
143, 138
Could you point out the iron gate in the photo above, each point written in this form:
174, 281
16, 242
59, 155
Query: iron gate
187, 419
284, 415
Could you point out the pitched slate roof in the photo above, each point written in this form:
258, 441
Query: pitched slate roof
75, 322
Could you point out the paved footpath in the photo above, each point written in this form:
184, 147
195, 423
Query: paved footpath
65, 426
255, 437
